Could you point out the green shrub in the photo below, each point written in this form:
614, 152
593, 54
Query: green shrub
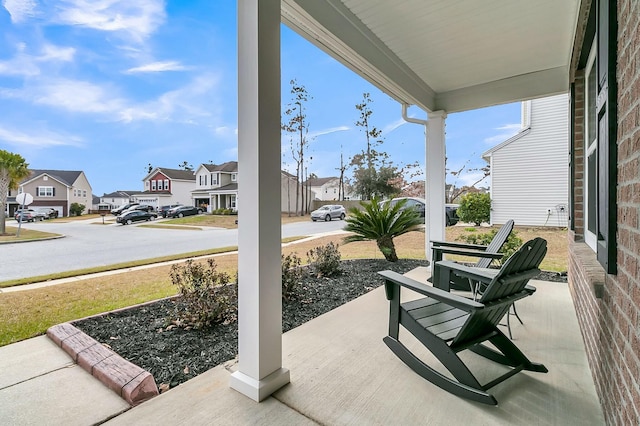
223, 211
76, 209
475, 208
512, 244
325, 260
208, 296
292, 275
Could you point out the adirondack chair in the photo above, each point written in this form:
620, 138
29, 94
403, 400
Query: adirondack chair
486, 255
447, 323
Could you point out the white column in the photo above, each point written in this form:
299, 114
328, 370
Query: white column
260, 371
435, 186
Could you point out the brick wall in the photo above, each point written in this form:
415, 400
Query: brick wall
610, 323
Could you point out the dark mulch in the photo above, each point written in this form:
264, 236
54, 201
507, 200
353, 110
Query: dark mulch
176, 355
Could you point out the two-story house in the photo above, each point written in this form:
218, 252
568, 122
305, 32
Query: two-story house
164, 186
57, 189
115, 199
217, 187
324, 189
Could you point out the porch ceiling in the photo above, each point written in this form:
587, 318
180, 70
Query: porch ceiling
450, 55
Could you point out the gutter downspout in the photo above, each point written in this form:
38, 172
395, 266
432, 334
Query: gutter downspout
434, 175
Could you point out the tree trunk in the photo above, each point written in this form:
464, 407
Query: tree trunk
388, 249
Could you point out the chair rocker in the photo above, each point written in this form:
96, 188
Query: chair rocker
486, 254
447, 324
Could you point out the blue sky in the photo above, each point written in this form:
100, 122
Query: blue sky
110, 86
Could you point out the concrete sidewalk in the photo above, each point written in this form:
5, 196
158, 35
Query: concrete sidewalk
341, 374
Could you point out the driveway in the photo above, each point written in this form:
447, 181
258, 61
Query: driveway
88, 243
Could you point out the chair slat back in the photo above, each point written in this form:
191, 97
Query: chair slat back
506, 283
496, 243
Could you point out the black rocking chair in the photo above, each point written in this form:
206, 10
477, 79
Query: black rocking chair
447, 324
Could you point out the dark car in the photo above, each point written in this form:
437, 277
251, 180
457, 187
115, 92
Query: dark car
162, 211
121, 209
451, 215
451, 212
412, 202
129, 217
28, 215
184, 211
47, 212
141, 207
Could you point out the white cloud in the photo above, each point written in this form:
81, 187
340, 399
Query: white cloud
183, 104
38, 138
393, 126
138, 19
505, 132
76, 96
20, 10
56, 53
330, 130
157, 67
27, 65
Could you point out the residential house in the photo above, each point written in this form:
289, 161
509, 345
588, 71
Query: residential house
529, 173
164, 186
324, 189
57, 189
217, 187
517, 51
115, 199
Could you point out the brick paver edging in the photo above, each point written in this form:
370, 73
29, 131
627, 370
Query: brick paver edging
131, 382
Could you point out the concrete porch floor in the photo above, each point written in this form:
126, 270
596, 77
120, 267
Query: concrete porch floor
343, 374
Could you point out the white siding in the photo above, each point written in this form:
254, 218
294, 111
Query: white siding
530, 175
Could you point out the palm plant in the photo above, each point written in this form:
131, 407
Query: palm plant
13, 169
381, 222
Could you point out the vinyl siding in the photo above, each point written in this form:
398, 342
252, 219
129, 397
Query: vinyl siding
530, 175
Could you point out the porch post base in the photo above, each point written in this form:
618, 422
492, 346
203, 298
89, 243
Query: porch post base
258, 390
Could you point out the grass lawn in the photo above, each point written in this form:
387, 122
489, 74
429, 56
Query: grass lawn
25, 235
25, 314
222, 221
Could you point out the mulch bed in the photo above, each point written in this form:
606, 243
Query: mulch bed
175, 355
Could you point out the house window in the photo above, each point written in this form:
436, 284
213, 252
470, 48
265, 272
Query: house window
234, 177
153, 185
166, 184
233, 202
84, 193
214, 178
600, 130
591, 152
46, 191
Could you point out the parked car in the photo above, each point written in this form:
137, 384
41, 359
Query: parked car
451, 212
328, 212
121, 209
129, 217
181, 211
162, 211
141, 207
28, 215
451, 215
47, 212
412, 202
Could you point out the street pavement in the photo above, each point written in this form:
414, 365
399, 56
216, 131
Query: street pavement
88, 243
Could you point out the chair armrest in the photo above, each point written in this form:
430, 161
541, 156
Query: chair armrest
473, 253
435, 293
435, 244
476, 274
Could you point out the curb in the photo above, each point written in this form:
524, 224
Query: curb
130, 382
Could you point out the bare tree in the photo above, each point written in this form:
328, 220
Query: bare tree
453, 191
298, 126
